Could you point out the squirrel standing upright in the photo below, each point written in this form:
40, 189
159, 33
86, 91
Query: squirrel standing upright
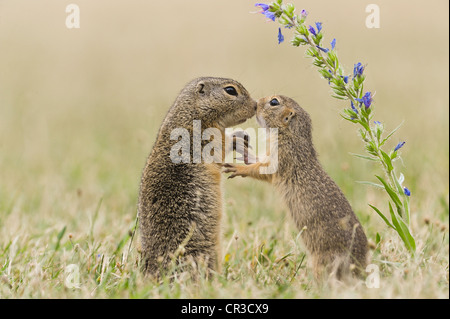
331, 231
180, 204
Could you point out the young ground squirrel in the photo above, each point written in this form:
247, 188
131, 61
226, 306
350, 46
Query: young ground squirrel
331, 231
180, 204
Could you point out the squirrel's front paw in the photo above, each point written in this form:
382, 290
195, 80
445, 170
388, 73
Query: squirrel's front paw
235, 170
239, 142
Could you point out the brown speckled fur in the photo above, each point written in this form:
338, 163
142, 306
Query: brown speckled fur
180, 205
333, 235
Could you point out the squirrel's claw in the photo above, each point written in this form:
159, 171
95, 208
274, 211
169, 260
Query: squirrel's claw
230, 170
234, 170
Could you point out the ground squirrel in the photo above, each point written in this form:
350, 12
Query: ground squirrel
180, 204
331, 231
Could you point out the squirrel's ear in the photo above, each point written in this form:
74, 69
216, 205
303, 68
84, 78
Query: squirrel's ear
287, 116
201, 88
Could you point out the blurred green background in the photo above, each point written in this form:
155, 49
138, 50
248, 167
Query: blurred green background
80, 108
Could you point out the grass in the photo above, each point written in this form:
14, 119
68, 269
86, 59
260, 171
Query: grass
80, 115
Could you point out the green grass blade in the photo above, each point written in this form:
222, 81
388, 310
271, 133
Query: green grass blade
59, 237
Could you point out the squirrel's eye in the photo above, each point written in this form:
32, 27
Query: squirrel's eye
231, 90
274, 102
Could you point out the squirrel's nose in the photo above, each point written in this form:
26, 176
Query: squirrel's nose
255, 104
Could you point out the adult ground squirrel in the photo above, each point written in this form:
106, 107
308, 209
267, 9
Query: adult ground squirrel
180, 204
331, 231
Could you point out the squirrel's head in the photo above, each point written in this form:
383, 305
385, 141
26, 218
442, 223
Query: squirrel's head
283, 113
221, 102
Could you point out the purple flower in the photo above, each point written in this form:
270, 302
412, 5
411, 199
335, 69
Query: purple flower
263, 6
353, 107
407, 191
345, 79
265, 10
313, 31
358, 69
377, 122
270, 15
333, 44
399, 146
366, 99
329, 77
319, 26
280, 36
303, 14
323, 49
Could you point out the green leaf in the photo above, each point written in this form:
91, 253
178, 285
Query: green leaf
392, 155
339, 92
296, 41
403, 230
284, 20
332, 55
365, 125
312, 52
382, 216
390, 192
365, 112
363, 135
361, 90
387, 160
300, 38
390, 134
289, 10
275, 6
370, 148
356, 86
351, 114
352, 92
327, 75
302, 30
406, 208
379, 131
377, 238
369, 158
318, 38
371, 184
330, 61
348, 118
